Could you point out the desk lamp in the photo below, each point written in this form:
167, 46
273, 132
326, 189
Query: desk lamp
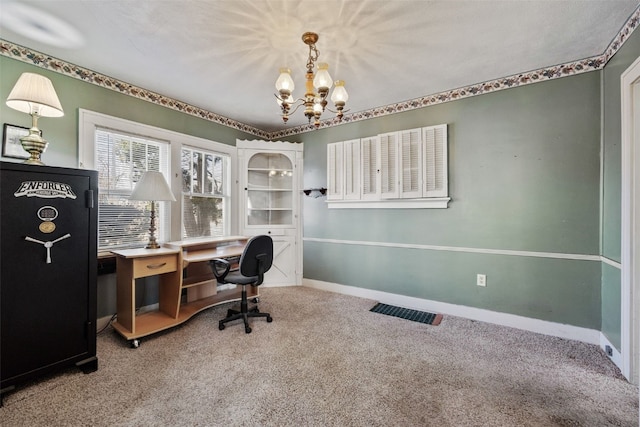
34, 94
152, 187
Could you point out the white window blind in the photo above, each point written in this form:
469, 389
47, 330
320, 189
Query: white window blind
370, 167
352, 169
411, 163
335, 171
435, 161
389, 166
121, 160
205, 192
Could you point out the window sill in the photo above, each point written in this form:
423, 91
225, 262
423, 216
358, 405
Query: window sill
431, 203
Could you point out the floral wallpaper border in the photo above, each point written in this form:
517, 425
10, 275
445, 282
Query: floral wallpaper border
563, 70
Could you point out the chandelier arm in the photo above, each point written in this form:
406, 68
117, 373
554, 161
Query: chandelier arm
337, 111
279, 98
297, 107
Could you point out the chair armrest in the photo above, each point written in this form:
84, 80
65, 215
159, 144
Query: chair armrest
220, 268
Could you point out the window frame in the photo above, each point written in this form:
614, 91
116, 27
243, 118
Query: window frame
226, 194
88, 121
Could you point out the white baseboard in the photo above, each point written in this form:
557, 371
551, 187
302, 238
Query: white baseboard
545, 327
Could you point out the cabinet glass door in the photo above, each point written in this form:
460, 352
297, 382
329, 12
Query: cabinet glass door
269, 190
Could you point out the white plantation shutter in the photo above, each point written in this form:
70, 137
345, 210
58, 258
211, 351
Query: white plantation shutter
335, 171
351, 150
121, 160
404, 169
370, 168
411, 163
435, 161
389, 165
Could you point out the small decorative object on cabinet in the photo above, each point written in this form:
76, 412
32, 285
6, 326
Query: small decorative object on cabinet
48, 274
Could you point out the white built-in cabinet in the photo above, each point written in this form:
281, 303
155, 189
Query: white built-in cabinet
270, 176
406, 169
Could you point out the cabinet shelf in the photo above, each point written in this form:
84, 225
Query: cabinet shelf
254, 188
269, 170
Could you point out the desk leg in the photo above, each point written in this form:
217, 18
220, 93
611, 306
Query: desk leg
170, 290
126, 289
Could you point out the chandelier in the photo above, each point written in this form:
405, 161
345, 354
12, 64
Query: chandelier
317, 88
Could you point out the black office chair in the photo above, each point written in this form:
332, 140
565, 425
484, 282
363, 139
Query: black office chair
256, 259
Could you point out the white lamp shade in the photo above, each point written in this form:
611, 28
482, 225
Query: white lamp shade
285, 84
323, 80
152, 187
339, 93
34, 93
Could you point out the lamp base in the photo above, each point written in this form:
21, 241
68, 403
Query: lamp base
35, 145
152, 243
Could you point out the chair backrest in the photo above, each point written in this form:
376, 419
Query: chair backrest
257, 257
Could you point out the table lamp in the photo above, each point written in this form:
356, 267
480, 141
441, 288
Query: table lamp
152, 187
34, 94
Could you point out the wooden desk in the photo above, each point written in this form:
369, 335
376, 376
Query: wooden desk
181, 265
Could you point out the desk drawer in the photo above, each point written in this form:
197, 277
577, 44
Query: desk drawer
149, 266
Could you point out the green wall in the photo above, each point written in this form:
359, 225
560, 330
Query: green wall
62, 133
524, 175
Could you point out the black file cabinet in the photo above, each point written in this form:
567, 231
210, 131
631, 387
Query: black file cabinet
48, 271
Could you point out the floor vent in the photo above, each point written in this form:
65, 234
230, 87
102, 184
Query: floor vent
408, 314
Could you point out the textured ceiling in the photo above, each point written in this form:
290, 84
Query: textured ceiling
223, 55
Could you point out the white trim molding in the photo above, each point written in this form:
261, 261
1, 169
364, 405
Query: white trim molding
545, 327
426, 203
556, 255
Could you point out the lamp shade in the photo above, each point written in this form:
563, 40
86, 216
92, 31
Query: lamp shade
285, 84
323, 80
34, 93
339, 94
152, 187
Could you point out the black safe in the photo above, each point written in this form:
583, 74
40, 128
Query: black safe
48, 271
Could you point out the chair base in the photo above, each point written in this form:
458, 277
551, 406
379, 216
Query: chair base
243, 314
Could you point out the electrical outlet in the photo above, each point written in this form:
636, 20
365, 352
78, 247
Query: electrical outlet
481, 280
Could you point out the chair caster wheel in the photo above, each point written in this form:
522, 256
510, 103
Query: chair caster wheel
247, 330
135, 343
256, 300
221, 326
269, 319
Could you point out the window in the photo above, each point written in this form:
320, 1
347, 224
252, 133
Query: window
404, 169
205, 192
198, 169
121, 161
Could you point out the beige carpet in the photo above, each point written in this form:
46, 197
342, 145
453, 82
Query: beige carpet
325, 360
